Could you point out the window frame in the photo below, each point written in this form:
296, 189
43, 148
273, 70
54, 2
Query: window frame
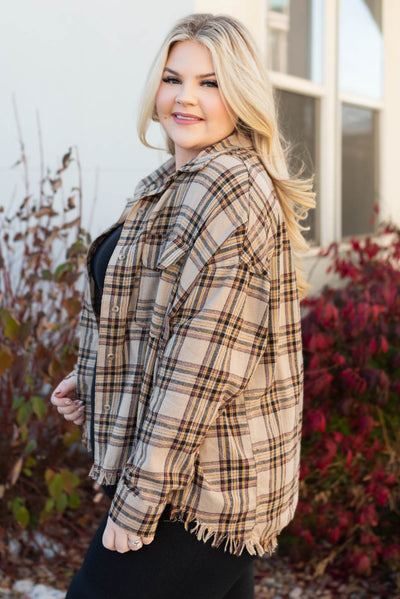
329, 101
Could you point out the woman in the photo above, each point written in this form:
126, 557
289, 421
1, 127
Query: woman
189, 377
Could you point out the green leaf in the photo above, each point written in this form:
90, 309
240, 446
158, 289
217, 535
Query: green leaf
22, 516
56, 486
24, 433
27, 471
23, 414
39, 406
29, 380
74, 500
31, 446
60, 270
25, 330
11, 326
30, 462
17, 402
6, 359
62, 502
70, 480
46, 274
71, 437
49, 504
49, 475
16, 504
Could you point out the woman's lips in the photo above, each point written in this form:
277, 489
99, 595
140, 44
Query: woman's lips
183, 119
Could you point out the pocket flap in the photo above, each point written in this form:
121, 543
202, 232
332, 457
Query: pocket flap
172, 252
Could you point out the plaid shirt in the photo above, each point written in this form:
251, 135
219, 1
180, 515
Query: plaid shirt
197, 353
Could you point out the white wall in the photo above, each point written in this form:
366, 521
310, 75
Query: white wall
391, 123
82, 65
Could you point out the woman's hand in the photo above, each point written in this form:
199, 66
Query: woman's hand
64, 398
118, 539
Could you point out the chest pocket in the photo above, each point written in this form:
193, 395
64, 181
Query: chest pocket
161, 264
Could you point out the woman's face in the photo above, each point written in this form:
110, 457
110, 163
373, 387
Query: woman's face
189, 104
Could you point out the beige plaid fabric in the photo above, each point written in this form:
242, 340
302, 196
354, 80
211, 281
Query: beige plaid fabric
198, 389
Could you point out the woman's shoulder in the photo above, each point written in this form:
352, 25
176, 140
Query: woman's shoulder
239, 164
250, 184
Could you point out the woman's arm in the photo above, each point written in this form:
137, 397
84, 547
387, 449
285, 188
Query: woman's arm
215, 346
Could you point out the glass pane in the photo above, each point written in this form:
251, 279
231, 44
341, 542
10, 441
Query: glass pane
297, 121
278, 5
295, 35
361, 47
359, 169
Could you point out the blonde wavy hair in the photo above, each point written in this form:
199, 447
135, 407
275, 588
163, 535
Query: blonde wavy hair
248, 96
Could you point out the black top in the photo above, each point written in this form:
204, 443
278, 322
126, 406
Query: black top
100, 262
102, 257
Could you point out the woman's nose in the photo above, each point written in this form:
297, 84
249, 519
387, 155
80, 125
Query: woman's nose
186, 95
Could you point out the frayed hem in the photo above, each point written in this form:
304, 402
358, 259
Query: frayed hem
233, 544
104, 477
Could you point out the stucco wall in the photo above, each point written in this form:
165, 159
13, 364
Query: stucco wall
390, 200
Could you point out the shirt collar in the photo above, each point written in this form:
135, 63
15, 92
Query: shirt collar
159, 179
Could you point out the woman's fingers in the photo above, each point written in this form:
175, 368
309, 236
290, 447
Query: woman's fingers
121, 542
79, 420
109, 537
76, 414
115, 538
118, 539
134, 542
147, 540
64, 390
69, 407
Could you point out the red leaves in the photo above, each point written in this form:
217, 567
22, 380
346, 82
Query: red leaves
327, 316
350, 471
368, 515
316, 421
378, 344
361, 563
335, 535
379, 486
375, 311
338, 359
318, 383
365, 423
353, 381
320, 342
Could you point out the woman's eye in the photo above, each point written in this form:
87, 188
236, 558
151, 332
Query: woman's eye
210, 83
170, 80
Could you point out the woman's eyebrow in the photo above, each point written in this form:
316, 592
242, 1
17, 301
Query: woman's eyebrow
197, 76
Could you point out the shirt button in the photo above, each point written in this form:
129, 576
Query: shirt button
107, 407
115, 308
121, 256
110, 356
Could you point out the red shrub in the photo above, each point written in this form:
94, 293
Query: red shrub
349, 510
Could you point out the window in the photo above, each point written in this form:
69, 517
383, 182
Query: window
359, 176
297, 116
360, 94
325, 59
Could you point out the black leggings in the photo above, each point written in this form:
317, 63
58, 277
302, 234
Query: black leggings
176, 565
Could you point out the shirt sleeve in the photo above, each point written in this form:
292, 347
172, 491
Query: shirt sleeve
215, 343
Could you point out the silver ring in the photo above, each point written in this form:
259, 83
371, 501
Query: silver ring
135, 543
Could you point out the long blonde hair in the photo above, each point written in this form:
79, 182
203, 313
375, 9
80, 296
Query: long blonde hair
248, 96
